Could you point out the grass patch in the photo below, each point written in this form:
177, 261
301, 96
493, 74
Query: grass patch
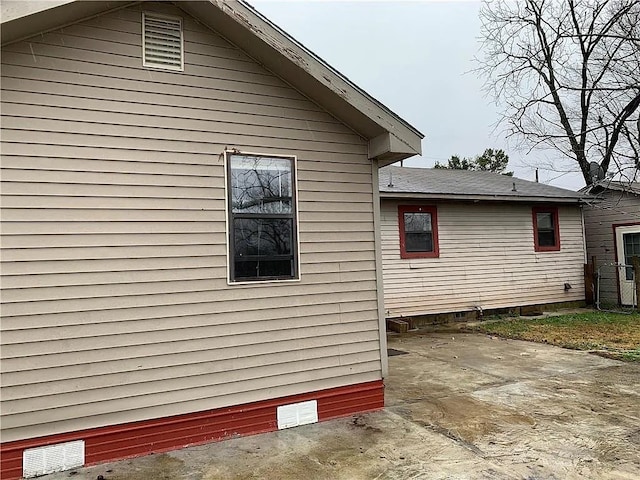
610, 334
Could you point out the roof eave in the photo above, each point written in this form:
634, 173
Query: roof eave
389, 149
480, 198
22, 20
600, 187
390, 138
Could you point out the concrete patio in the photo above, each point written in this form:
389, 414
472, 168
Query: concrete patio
459, 406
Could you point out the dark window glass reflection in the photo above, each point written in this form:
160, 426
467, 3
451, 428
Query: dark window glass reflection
261, 185
262, 218
418, 234
546, 229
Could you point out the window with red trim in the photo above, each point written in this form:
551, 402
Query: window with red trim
418, 231
546, 231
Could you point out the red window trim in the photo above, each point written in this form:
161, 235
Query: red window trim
402, 209
556, 226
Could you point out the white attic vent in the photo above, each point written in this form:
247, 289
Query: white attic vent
162, 45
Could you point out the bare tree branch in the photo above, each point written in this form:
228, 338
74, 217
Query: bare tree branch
566, 73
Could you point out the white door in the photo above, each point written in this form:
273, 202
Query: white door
627, 246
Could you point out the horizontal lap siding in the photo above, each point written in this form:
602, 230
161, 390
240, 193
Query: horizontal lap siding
612, 208
487, 260
115, 301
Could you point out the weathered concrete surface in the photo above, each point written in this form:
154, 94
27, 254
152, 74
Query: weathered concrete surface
459, 406
536, 410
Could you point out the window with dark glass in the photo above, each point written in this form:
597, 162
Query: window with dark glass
262, 218
418, 231
545, 229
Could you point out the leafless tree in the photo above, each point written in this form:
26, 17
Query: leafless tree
568, 75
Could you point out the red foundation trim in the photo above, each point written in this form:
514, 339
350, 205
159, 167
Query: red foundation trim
160, 435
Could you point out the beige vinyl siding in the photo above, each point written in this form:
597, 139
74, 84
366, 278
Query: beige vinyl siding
486, 260
613, 208
116, 306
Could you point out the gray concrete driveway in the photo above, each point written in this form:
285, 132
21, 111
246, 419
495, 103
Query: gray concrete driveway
459, 406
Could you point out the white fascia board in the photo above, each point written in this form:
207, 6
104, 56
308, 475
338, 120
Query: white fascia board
20, 22
309, 74
388, 148
13, 9
479, 198
245, 27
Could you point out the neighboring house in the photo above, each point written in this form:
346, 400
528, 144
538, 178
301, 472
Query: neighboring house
612, 228
189, 231
456, 241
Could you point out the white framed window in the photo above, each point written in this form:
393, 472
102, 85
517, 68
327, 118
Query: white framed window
162, 42
262, 217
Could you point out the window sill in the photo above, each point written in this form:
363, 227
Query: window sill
412, 256
547, 249
255, 283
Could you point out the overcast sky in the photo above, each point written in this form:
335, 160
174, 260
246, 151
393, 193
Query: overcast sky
416, 57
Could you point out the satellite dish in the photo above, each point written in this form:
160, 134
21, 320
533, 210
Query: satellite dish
596, 172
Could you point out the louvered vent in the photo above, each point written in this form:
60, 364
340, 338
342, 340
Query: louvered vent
162, 42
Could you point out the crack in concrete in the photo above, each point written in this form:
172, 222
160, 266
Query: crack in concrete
404, 413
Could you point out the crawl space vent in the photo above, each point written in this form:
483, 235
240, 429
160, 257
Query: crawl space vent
52, 458
295, 414
162, 42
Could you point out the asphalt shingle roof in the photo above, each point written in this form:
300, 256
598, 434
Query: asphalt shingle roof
466, 185
607, 184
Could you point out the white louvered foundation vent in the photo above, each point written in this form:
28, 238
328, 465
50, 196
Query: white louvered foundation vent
162, 45
52, 458
295, 414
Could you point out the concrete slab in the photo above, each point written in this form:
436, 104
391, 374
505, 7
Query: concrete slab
537, 410
459, 406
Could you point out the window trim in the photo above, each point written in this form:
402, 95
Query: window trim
145, 62
556, 227
228, 219
433, 210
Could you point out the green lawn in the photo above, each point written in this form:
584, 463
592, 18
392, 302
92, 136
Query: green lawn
610, 334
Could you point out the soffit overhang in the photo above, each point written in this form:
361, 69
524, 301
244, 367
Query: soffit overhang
483, 198
390, 138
